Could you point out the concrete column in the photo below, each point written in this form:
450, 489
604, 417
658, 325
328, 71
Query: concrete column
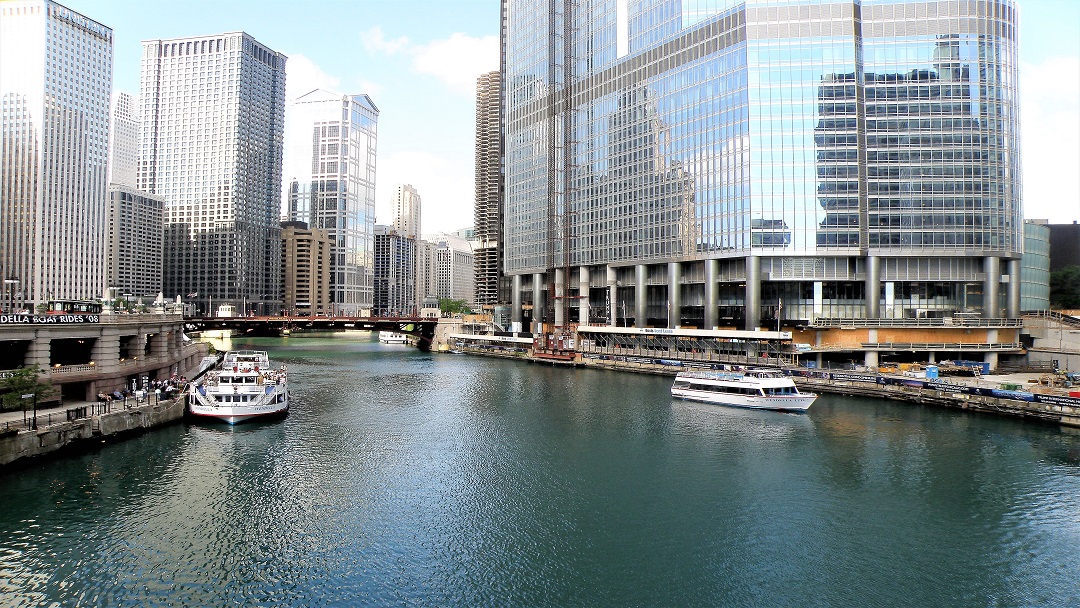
1012, 300
712, 293
641, 288
515, 299
559, 299
991, 357
870, 357
873, 287
106, 350
613, 293
583, 292
752, 299
674, 281
992, 270
539, 305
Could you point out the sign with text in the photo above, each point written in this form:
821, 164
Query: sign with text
48, 319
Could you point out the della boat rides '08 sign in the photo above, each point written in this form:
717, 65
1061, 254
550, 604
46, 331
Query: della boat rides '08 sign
49, 319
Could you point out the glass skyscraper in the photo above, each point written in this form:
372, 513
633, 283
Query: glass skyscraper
55, 84
711, 163
212, 122
330, 184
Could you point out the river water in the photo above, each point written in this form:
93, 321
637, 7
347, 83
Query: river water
410, 479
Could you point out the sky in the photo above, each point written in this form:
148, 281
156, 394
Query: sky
418, 60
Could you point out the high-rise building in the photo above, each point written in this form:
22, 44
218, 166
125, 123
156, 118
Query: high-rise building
305, 270
123, 139
134, 242
407, 211
1035, 267
760, 163
213, 112
395, 273
488, 211
56, 68
329, 182
451, 271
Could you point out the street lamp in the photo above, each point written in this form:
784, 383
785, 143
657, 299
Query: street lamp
10, 284
33, 421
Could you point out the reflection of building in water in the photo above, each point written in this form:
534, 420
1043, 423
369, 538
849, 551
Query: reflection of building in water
673, 163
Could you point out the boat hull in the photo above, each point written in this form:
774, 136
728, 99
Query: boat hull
793, 403
237, 415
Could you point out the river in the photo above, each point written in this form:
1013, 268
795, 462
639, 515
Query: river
413, 479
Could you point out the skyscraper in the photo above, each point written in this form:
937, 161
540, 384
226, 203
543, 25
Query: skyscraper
395, 273
329, 180
487, 214
213, 111
747, 164
407, 211
123, 139
54, 104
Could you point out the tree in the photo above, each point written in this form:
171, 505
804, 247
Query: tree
453, 307
21, 382
1065, 288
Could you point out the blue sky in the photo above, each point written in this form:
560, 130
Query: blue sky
419, 59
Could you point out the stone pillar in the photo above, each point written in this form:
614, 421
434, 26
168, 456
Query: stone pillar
752, 299
37, 353
641, 289
674, 281
1012, 300
583, 293
106, 350
613, 295
873, 287
991, 282
712, 293
515, 299
559, 299
539, 305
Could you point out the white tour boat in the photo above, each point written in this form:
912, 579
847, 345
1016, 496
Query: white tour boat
392, 337
756, 389
244, 387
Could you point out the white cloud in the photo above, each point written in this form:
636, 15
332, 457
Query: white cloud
375, 42
458, 60
445, 187
1050, 135
303, 76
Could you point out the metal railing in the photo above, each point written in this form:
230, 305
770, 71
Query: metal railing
935, 322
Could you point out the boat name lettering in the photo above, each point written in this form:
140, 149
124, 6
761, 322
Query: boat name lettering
49, 319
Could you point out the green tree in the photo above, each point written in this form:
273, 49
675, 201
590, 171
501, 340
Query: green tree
1065, 288
446, 305
21, 382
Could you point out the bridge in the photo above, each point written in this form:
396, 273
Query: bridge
422, 328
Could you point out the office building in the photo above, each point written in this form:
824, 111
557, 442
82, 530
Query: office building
487, 214
764, 164
305, 271
407, 211
212, 118
330, 149
395, 273
56, 67
123, 140
450, 268
134, 242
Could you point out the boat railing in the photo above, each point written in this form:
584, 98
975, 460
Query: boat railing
712, 375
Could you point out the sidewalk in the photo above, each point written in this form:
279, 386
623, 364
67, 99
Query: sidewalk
58, 413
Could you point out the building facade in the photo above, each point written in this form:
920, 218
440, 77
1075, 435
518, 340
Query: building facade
212, 120
395, 273
134, 242
1064, 245
452, 263
330, 150
123, 140
1035, 267
487, 215
54, 108
306, 255
761, 163
407, 211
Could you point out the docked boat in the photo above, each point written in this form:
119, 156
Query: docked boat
244, 387
756, 389
392, 337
